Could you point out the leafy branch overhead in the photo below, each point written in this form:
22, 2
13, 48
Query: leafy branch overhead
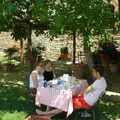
14, 13
85, 16
7, 9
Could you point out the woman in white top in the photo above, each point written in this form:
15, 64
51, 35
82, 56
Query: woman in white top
36, 78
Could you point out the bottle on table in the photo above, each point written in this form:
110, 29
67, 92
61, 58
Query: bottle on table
59, 81
45, 83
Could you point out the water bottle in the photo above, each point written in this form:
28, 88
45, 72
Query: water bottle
59, 82
45, 84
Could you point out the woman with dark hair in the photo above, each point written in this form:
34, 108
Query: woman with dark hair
48, 73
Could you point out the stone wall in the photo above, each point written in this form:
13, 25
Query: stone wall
52, 48
5, 39
52, 51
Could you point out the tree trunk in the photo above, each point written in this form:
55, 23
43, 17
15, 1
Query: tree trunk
88, 54
119, 4
21, 50
29, 44
74, 46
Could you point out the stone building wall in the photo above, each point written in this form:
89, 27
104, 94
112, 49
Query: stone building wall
5, 39
52, 51
52, 48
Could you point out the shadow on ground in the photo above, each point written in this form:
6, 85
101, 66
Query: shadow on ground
14, 94
16, 102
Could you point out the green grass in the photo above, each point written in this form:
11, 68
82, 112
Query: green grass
109, 110
16, 102
16, 115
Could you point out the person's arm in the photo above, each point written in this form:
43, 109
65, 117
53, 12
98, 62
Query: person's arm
35, 81
89, 89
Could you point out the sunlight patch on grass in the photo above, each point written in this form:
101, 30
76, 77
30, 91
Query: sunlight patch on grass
112, 93
5, 115
118, 117
2, 56
5, 99
20, 83
6, 85
22, 98
2, 80
5, 74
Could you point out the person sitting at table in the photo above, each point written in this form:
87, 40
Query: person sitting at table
48, 73
90, 95
36, 78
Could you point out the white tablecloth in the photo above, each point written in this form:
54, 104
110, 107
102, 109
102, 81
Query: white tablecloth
57, 97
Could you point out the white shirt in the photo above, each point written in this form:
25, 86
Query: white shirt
40, 79
99, 87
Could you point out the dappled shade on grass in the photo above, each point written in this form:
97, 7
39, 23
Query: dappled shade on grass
15, 115
16, 102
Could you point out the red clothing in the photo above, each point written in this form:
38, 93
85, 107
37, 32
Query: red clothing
79, 102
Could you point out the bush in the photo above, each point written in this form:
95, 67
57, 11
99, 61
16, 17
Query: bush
64, 50
36, 51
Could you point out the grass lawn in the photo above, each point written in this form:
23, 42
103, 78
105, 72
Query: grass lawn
16, 102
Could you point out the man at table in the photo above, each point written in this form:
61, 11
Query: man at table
89, 97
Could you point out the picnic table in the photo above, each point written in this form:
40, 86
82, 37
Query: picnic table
59, 97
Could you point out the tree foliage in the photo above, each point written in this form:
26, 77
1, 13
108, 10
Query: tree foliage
14, 14
86, 17
22, 16
7, 9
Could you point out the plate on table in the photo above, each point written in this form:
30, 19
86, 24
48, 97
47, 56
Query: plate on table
52, 83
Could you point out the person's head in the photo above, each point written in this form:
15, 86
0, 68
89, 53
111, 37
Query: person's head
48, 65
98, 71
39, 67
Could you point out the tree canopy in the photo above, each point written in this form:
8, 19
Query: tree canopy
21, 17
86, 17
78, 16
81, 15
7, 9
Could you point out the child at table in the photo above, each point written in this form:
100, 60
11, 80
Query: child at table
89, 97
36, 78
